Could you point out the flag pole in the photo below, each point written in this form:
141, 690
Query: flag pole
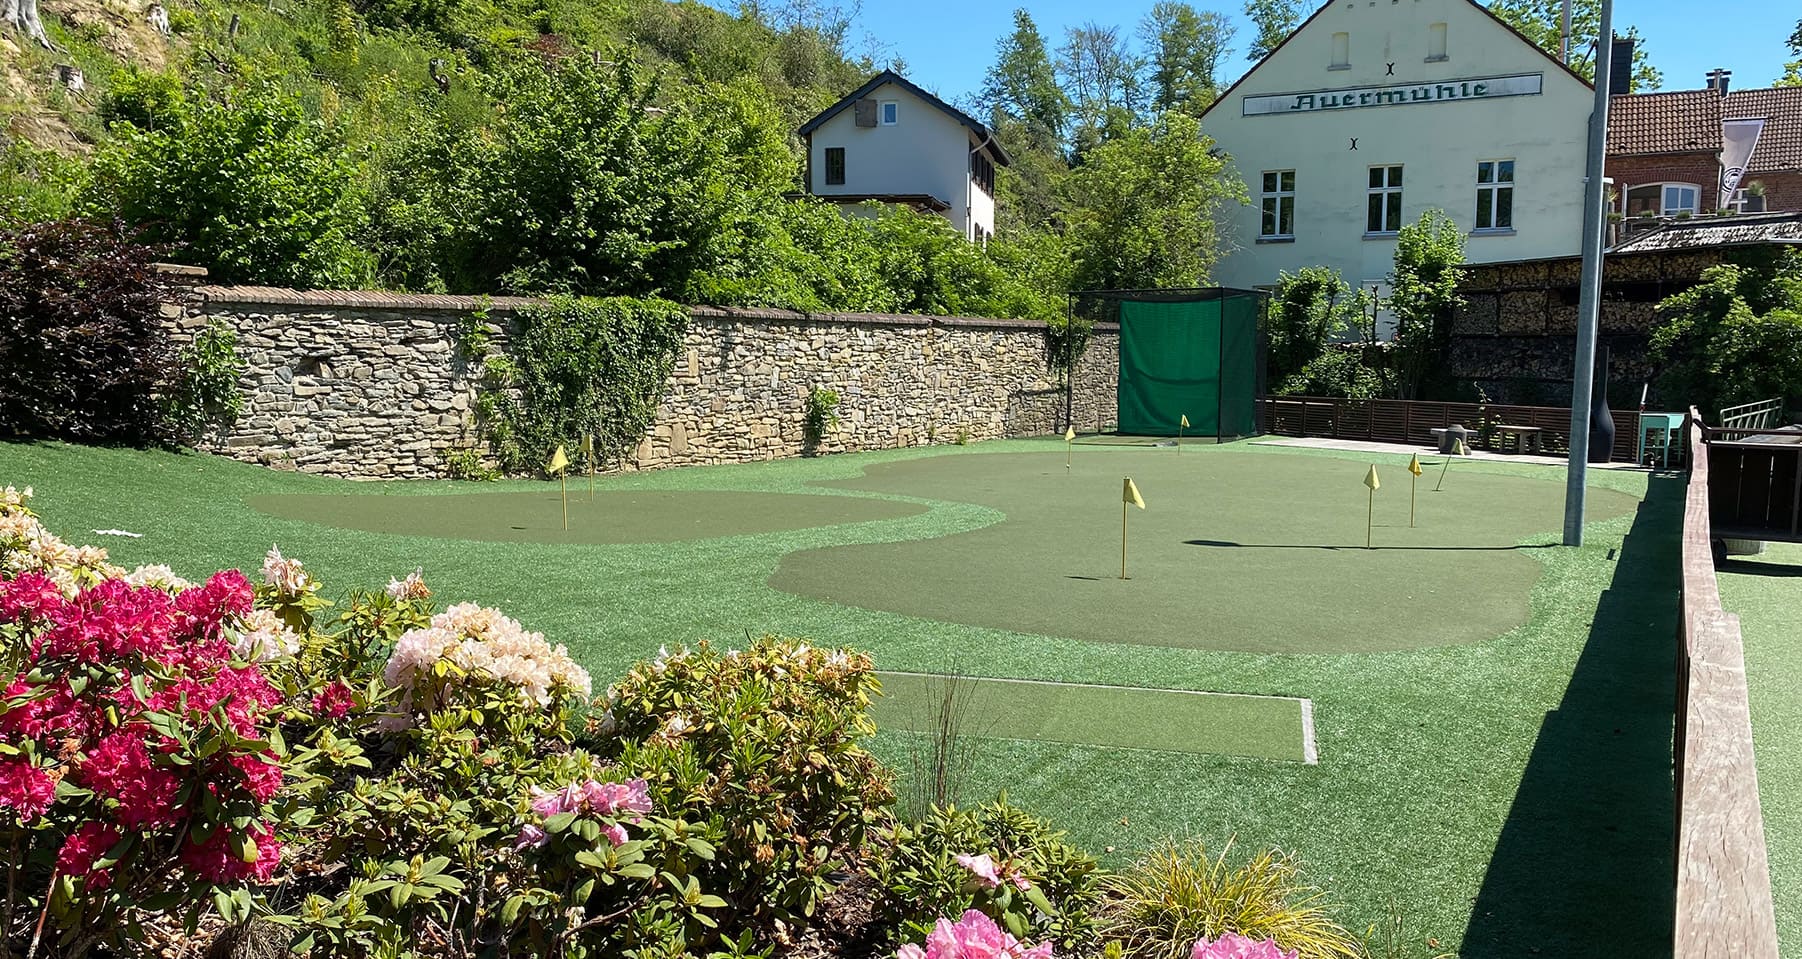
1370, 518
1442, 469
1123, 508
1413, 482
563, 482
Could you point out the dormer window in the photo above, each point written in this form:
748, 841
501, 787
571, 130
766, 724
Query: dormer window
890, 111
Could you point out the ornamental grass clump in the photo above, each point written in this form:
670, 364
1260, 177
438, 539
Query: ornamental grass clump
767, 745
138, 749
1179, 895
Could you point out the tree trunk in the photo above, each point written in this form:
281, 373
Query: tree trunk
23, 15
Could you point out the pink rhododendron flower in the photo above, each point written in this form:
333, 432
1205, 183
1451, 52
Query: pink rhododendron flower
616, 834
975, 936
120, 768
335, 700
1231, 945
32, 594
214, 860
25, 789
226, 594
82, 849
531, 837
987, 874
262, 777
613, 799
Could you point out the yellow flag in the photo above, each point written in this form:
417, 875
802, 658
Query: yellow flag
1414, 464
1070, 434
559, 462
1185, 421
1130, 494
587, 444
1370, 478
1462, 449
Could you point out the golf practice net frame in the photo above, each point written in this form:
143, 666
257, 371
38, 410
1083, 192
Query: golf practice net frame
1196, 352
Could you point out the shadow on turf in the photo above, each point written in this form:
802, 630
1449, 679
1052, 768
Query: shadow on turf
1459, 549
1583, 866
1746, 567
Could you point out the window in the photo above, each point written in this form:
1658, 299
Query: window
1279, 205
1738, 203
1341, 52
1385, 206
982, 171
835, 166
1436, 43
1495, 195
1663, 199
891, 112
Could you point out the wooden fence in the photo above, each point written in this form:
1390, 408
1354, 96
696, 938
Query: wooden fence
1755, 483
1723, 877
1412, 422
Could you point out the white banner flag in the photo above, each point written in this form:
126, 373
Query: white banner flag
1738, 139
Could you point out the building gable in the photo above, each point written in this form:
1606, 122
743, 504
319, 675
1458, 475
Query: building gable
899, 85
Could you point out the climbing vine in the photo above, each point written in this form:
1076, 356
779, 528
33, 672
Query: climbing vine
1066, 340
577, 368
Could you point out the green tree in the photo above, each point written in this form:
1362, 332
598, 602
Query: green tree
1021, 87
1144, 209
1310, 309
1186, 49
1423, 293
1792, 71
1102, 78
244, 184
1274, 20
1542, 22
1735, 337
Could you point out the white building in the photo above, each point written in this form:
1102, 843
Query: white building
892, 142
1374, 111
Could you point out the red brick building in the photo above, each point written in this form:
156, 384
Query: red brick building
1776, 164
1665, 153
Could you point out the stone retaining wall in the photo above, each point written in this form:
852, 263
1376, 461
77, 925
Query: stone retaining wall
369, 385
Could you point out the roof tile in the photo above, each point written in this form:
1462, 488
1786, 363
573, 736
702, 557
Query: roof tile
1685, 121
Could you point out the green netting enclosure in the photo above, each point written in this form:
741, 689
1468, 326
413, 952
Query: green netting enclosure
1193, 353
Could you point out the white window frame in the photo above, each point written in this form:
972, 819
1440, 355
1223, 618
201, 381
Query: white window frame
1277, 198
888, 112
1495, 186
1384, 191
1738, 203
1664, 195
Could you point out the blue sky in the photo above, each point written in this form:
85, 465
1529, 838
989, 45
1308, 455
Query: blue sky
949, 44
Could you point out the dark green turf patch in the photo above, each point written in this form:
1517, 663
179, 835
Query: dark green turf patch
613, 516
1237, 550
1167, 720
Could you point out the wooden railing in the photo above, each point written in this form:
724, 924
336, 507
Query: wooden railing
1723, 876
1413, 421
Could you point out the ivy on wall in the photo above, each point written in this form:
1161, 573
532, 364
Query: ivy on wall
578, 367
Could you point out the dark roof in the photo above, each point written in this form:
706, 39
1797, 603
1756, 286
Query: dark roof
924, 201
1780, 143
1560, 64
1685, 121
1707, 231
890, 76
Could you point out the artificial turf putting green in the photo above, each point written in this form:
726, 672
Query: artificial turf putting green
622, 516
1237, 550
1167, 720
1766, 592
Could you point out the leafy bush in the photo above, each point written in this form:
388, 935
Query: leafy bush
1311, 308
974, 936
138, 736
1178, 894
144, 99
1423, 292
579, 368
1735, 337
206, 389
247, 186
995, 859
820, 416
765, 745
83, 354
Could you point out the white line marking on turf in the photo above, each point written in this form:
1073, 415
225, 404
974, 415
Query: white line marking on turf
1309, 751
1310, 755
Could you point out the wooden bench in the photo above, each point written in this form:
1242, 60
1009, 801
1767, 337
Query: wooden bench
1523, 435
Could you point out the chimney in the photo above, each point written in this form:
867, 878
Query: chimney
1718, 80
1620, 69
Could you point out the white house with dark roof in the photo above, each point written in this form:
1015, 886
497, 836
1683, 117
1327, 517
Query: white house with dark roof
1374, 111
891, 142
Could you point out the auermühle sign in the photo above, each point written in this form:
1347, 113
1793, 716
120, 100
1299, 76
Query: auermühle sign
1395, 95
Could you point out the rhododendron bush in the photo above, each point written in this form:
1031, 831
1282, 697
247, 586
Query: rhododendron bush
138, 751
975, 936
